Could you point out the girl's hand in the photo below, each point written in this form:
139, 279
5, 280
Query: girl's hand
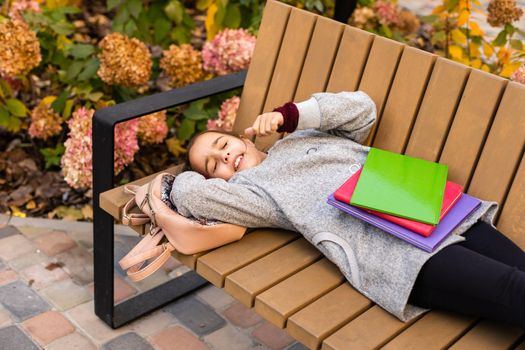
265, 124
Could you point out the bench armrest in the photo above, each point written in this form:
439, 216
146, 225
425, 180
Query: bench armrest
105, 119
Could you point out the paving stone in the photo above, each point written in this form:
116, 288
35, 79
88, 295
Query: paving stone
27, 260
42, 275
7, 276
272, 336
229, 338
14, 246
195, 315
297, 346
21, 301
2, 265
127, 341
47, 327
122, 290
13, 338
73, 341
83, 316
83, 239
179, 271
8, 231
152, 323
215, 297
241, 316
78, 263
5, 320
177, 338
54, 242
66, 294
171, 264
33, 232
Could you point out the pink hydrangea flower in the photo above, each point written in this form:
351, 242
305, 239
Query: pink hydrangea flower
18, 6
77, 166
230, 51
152, 128
227, 115
519, 74
387, 13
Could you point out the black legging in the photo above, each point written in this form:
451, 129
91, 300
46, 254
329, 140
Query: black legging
481, 276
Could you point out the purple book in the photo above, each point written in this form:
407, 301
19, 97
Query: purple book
462, 209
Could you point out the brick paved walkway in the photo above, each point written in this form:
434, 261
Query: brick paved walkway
46, 301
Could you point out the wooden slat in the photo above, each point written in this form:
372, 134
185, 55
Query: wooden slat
113, 201
288, 67
379, 72
368, 331
512, 218
294, 293
351, 59
490, 336
321, 318
319, 59
219, 263
437, 109
245, 284
471, 123
269, 39
435, 330
188, 260
494, 173
403, 101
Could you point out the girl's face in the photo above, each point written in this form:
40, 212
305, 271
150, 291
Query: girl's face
219, 155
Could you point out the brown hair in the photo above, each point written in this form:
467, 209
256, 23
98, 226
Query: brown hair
186, 158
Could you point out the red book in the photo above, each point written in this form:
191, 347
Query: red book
453, 192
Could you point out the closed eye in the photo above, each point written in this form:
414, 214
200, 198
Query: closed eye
225, 145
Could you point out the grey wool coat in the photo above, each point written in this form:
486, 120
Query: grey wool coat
289, 190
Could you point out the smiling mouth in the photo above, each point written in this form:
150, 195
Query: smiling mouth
237, 162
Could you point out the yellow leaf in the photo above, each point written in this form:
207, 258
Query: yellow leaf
458, 36
464, 4
87, 212
485, 68
31, 204
455, 51
503, 55
463, 17
475, 29
476, 63
488, 51
474, 50
174, 146
62, 41
16, 212
476, 2
48, 99
211, 26
438, 9
509, 68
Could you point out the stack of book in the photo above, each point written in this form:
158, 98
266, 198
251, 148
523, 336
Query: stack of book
407, 197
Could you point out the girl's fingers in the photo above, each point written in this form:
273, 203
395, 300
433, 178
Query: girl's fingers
268, 125
262, 125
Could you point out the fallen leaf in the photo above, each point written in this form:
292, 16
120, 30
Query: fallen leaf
31, 204
53, 265
87, 212
16, 212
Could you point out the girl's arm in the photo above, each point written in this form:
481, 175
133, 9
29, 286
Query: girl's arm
344, 114
243, 203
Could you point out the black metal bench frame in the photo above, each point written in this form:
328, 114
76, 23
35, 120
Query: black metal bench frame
104, 121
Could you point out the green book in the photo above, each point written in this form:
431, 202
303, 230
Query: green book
400, 185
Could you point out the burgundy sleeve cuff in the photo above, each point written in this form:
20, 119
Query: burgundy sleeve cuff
290, 115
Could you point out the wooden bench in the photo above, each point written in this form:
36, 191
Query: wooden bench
428, 107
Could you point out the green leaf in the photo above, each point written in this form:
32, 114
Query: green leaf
6, 88
14, 124
180, 35
203, 4
59, 103
440, 36
62, 28
143, 27
74, 69
186, 129
90, 69
16, 107
130, 28
66, 113
516, 44
134, 7
162, 28
386, 30
95, 96
429, 19
175, 11
122, 16
232, 19
501, 39
111, 4
80, 51
52, 155
4, 117
451, 5
221, 12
